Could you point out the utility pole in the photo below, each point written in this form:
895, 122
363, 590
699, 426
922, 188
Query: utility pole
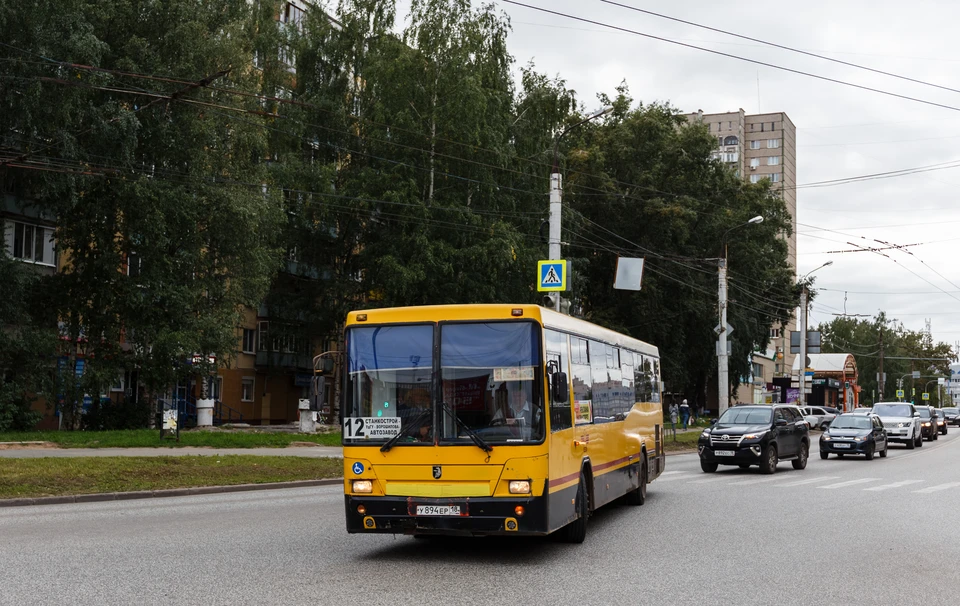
723, 378
556, 191
880, 377
802, 383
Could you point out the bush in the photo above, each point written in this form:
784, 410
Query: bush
107, 414
15, 411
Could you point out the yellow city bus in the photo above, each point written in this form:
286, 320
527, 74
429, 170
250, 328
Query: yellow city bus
494, 419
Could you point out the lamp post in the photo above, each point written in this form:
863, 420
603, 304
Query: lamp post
723, 379
556, 194
802, 382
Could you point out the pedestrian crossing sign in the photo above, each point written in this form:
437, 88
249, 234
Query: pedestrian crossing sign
900, 393
926, 395
552, 275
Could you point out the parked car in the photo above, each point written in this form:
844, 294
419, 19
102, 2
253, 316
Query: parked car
952, 414
755, 435
901, 421
854, 434
834, 411
941, 421
862, 411
818, 417
928, 422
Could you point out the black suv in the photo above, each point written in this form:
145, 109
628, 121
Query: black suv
928, 423
756, 435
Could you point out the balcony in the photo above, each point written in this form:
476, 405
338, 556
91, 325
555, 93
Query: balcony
281, 359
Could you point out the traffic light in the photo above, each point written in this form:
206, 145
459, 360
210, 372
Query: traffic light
550, 300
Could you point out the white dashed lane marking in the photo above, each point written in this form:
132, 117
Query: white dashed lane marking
848, 483
810, 481
894, 485
937, 488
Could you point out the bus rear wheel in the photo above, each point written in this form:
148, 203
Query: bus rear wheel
638, 496
576, 531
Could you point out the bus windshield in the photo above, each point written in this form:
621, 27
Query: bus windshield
390, 372
490, 378
490, 381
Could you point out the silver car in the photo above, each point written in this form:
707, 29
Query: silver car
902, 422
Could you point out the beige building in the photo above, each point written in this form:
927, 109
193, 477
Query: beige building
761, 146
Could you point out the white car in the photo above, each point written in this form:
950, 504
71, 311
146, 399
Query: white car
902, 422
817, 418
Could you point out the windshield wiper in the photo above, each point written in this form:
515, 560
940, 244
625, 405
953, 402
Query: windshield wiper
481, 444
416, 422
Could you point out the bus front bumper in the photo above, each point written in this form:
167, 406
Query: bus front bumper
417, 515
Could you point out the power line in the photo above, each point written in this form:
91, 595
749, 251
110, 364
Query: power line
783, 47
732, 56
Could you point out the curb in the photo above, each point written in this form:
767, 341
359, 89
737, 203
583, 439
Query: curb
171, 492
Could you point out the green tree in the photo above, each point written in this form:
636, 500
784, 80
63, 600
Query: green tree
146, 177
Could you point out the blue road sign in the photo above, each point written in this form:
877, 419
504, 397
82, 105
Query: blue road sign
552, 275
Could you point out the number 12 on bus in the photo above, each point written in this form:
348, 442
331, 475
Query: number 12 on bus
494, 419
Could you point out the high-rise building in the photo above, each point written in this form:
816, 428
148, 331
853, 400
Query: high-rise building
762, 146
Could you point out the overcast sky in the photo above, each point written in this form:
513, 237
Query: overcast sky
841, 131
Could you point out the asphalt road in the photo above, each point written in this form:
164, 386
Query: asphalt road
839, 532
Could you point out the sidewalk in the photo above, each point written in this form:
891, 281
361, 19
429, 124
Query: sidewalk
315, 452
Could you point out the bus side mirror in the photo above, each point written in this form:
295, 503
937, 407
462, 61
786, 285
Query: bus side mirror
559, 389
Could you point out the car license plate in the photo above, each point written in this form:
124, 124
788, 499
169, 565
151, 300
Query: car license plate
438, 510
724, 453
841, 446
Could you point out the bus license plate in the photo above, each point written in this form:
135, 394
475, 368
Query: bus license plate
724, 453
438, 510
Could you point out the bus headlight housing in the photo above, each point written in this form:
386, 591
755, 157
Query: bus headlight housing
363, 486
519, 487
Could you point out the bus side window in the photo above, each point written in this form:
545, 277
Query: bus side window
561, 414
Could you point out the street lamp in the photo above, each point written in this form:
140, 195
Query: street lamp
723, 378
802, 381
556, 191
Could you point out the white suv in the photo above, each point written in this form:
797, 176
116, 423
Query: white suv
902, 422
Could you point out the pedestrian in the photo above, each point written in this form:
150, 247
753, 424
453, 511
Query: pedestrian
674, 413
684, 412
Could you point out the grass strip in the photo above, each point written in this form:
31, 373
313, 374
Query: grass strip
685, 441
146, 438
27, 478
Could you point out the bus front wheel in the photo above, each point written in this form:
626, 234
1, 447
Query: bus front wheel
576, 531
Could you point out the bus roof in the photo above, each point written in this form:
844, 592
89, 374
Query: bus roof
501, 311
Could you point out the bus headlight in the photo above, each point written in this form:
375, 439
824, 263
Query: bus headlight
363, 486
520, 487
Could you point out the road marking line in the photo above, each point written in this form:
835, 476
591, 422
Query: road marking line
848, 483
757, 481
810, 481
670, 473
684, 475
937, 488
709, 480
894, 485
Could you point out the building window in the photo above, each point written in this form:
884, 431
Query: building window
773, 160
118, 384
775, 177
752, 125
293, 15
31, 243
246, 389
755, 145
761, 127
773, 143
216, 388
754, 162
774, 333
773, 126
754, 178
249, 341
262, 343
729, 125
730, 140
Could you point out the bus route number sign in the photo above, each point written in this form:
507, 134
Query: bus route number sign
370, 428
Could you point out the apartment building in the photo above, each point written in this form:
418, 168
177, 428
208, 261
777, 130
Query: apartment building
762, 146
